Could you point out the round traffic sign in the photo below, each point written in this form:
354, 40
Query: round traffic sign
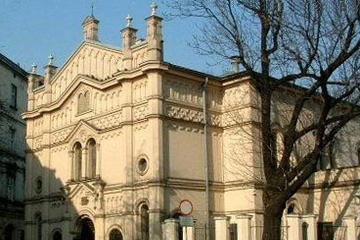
185, 207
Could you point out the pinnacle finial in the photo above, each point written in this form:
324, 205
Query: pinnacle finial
51, 59
154, 7
33, 68
129, 20
92, 9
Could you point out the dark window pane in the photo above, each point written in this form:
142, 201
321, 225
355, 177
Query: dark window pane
233, 231
325, 231
115, 234
13, 102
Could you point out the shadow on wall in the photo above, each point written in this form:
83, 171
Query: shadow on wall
49, 213
72, 210
85, 208
332, 195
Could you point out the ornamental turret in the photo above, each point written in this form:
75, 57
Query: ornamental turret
50, 71
154, 35
33, 78
129, 39
91, 28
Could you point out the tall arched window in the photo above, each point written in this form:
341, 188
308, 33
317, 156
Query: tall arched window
115, 234
77, 160
144, 224
38, 223
91, 171
305, 231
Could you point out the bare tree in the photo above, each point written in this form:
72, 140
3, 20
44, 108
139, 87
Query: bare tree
311, 44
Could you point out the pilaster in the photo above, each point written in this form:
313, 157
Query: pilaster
98, 160
71, 164
155, 213
243, 223
222, 228
294, 226
99, 228
84, 163
350, 224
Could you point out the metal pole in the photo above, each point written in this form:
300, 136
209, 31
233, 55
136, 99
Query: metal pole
207, 209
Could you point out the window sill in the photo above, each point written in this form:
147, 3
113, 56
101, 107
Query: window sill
86, 179
83, 113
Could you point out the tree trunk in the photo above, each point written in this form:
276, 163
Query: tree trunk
272, 224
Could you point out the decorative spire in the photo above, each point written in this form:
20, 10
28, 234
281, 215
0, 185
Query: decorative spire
129, 20
51, 59
92, 9
33, 68
154, 7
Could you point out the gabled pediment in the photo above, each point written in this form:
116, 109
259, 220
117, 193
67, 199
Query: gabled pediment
82, 132
97, 61
87, 188
82, 187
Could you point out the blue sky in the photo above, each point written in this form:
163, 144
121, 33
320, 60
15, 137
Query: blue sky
32, 29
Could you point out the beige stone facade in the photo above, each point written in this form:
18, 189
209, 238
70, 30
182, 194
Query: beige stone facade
13, 101
116, 142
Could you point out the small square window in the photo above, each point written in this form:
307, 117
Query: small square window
13, 102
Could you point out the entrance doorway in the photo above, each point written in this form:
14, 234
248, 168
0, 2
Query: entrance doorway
86, 229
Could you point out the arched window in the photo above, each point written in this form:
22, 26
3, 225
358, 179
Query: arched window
83, 102
115, 234
358, 157
57, 235
291, 209
144, 222
38, 223
91, 171
77, 160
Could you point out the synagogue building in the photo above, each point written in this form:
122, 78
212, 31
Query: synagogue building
117, 138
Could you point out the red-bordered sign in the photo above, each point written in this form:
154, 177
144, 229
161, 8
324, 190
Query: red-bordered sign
186, 207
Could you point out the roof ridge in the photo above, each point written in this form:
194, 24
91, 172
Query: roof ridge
13, 65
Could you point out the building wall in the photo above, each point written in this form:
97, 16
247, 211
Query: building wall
12, 148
